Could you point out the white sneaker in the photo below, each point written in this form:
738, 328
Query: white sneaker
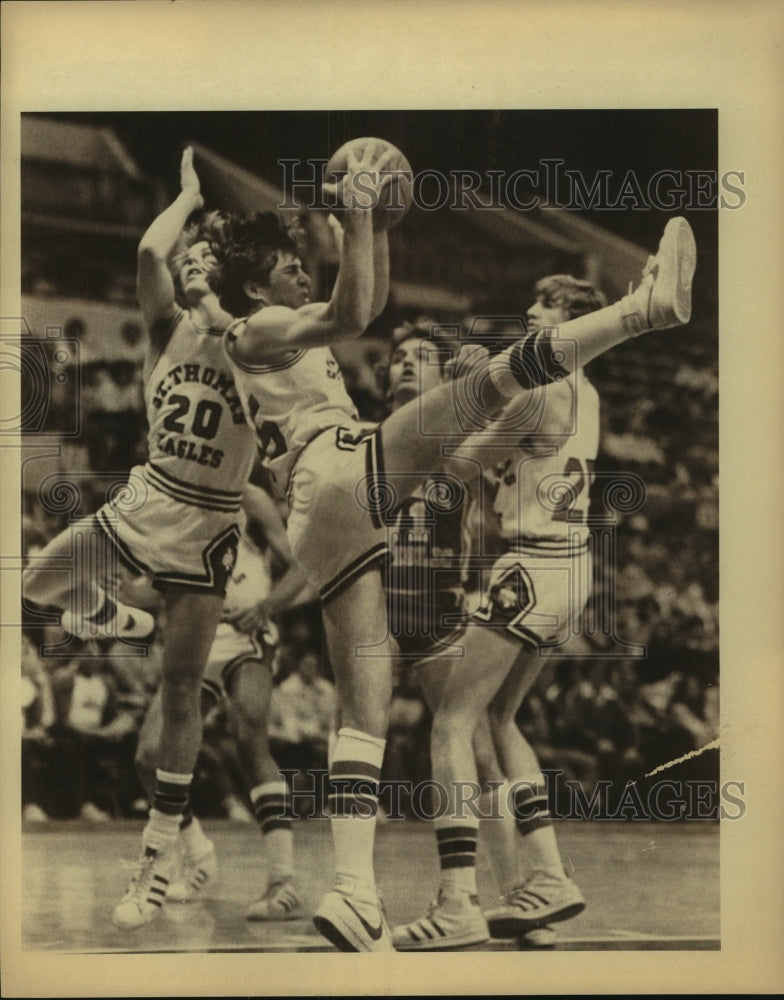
451, 922
194, 874
93, 814
663, 297
541, 900
33, 813
146, 892
125, 623
237, 810
279, 902
353, 922
539, 937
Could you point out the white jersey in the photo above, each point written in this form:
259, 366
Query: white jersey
250, 582
290, 402
200, 447
543, 489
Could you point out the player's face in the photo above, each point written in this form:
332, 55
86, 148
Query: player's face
288, 284
542, 314
413, 369
195, 269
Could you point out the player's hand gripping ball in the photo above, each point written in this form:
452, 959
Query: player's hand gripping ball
394, 199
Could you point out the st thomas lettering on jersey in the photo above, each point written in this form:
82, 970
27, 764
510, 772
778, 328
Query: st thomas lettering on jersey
205, 375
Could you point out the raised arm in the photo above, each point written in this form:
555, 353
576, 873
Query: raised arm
380, 264
154, 283
276, 329
380, 274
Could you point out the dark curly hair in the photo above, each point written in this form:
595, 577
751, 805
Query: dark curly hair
201, 227
577, 296
247, 250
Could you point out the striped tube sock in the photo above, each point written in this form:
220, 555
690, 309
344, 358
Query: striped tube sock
457, 856
532, 815
187, 816
533, 361
272, 809
353, 805
169, 802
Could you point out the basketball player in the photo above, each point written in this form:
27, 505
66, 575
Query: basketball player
177, 519
536, 590
338, 475
240, 668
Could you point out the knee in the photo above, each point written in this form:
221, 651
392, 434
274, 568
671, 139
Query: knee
181, 693
449, 732
146, 756
250, 722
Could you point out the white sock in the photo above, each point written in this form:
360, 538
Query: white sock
169, 802
195, 840
354, 777
540, 849
457, 843
499, 839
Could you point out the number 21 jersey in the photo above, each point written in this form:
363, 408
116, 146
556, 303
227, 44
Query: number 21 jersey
543, 488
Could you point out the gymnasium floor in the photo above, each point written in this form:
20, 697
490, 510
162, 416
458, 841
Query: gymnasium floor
648, 886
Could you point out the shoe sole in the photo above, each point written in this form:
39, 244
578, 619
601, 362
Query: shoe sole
293, 915
514, 925
537, 939
677, 261
329, 931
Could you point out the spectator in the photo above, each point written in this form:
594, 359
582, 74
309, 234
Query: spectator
94, 739
302, 719
37, 719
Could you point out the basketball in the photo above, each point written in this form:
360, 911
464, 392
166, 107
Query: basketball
395, 199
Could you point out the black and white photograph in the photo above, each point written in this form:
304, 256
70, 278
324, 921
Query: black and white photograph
368, 589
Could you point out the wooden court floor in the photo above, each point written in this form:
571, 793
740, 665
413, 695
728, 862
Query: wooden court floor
647, 885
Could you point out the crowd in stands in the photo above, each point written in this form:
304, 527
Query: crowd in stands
600, 711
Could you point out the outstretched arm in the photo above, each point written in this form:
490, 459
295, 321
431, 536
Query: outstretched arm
518, 426
154, 284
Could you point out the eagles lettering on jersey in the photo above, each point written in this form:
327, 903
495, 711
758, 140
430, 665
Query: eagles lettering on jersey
200, 448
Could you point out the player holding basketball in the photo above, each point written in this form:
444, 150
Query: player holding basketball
536, 590
240, 670
177, 520
337, 474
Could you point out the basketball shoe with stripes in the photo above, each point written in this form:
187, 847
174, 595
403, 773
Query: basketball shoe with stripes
451, 922
194, 874
542, 899
146, 892
279, 902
